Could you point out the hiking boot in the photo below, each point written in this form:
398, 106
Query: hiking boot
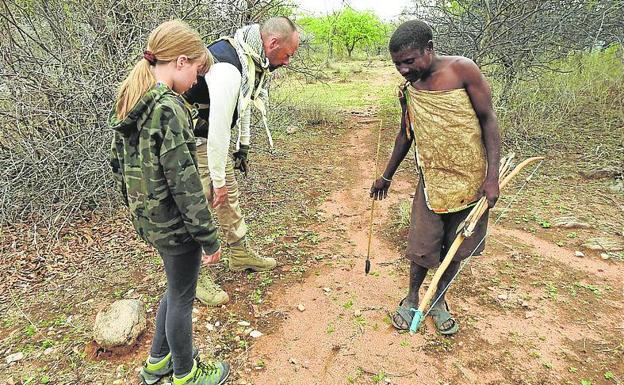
214, 373
243, 257
151, 373
208, 292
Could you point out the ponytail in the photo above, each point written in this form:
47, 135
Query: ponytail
139, 81
166, 43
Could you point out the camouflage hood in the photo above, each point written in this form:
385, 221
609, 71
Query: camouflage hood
138, 114
155, 167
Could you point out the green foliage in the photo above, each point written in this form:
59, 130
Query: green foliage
357, 28
347, 29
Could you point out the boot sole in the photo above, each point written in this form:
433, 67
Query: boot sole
211, 304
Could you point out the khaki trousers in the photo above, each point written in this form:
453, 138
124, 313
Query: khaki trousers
228, 213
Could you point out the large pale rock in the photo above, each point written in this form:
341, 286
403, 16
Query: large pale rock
120, 324
605, 244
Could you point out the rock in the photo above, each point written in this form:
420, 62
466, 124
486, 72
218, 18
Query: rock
292, 361
326, 289
605, 256
244, 323
300, 307
120, 324
255, 334
570, 223
14, 357
247, 331
357, 313
529, 314
291, 129
210, 327
604, 244
617, 186
503, 297
525, 304
599, 173
579, 254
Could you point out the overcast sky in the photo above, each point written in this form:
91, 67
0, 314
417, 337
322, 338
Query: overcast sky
385, 9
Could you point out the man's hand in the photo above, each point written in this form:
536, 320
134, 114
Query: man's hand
240, 159
379, 190
211, 259
219, 195
490, 189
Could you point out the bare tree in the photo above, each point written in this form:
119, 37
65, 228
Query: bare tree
60, 64
520, 38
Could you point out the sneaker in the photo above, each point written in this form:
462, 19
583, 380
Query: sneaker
243, 257
208, 292
215, 373
151, 373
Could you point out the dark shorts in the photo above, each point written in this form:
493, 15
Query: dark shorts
431, 234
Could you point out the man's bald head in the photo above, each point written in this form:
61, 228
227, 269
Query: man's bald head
280, 40
280, 26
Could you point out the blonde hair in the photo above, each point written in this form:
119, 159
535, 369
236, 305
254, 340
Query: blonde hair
167, 42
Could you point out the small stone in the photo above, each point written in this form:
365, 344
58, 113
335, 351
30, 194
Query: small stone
244, 323
210, 327
48, 351
503, 297
255, 334
604, 244
306, 364
529, 314
605, 256
525, 304
217, 324
300, 307
292, 361
194, 319
195, 310
570, 223
291, 129
14, 357
247, 331
326, 289
579, 254
357, 313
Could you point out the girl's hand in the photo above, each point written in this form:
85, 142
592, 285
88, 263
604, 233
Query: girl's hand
211, 259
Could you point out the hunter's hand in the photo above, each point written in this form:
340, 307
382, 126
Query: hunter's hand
490, 190
379, 190
240, 159
219, 195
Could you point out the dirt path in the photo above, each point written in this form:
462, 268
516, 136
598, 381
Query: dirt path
529, 312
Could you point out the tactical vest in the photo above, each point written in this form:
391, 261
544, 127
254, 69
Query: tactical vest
198, 95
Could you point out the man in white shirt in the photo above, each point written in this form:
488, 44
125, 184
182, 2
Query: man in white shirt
235, 83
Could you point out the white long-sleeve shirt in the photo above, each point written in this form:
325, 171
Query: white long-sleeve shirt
224, 81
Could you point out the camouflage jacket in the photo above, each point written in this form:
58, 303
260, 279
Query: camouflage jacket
154, 163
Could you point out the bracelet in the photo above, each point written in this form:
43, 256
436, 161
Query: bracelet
386, 179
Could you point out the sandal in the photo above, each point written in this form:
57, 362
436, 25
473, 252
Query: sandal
441, 316
402, 318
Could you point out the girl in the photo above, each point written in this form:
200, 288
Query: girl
155, 167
